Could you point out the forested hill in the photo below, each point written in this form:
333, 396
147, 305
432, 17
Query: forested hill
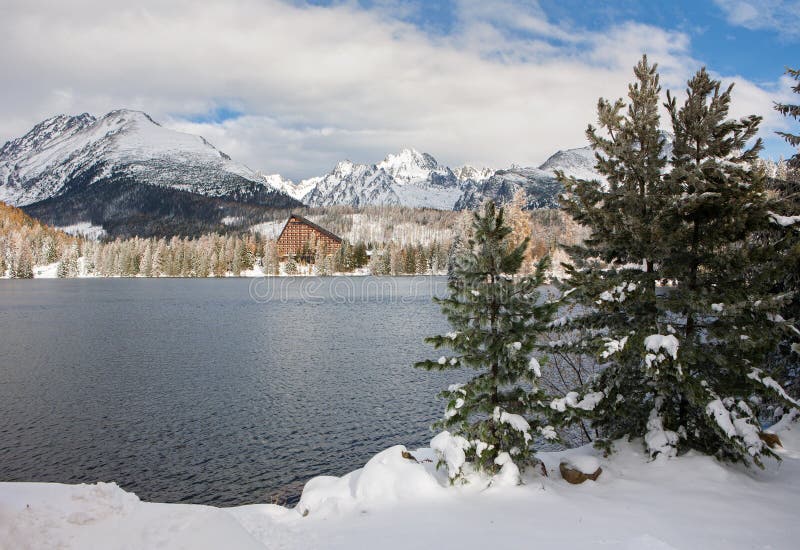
26, 242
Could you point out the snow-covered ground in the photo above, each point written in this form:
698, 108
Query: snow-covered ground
49, 271
269, 230
691, 502
84, 229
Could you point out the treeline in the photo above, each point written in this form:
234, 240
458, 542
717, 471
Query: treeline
26, 242
381, 240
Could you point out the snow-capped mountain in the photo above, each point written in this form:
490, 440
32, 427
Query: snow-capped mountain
415, 179
577, 163
409, 178
65, 157
47, 160
295, 190
126, 174
540, 184
472, 173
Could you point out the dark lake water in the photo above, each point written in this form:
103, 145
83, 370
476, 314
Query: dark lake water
218, 391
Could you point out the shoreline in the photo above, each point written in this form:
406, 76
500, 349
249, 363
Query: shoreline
394, 502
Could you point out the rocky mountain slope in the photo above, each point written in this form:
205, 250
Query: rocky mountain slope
126, 169
416, 179
409, 178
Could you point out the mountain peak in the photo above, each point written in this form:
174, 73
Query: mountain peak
409, 164
469, 172
125, 116
64, 154
44, 133
344, 168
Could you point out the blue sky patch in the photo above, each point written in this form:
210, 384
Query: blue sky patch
217, 115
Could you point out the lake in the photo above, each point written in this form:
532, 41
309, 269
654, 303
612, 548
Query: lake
213, 391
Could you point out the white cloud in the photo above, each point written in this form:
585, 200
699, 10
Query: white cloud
782, 16
319, 84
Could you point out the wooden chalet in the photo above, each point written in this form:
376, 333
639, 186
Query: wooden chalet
301, 238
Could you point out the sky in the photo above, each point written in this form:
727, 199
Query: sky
294, 86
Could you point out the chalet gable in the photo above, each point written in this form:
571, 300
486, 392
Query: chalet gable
298, 233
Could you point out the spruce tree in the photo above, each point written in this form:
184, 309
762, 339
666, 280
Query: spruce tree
720, 316
786, 360
613, 279
674, 283
496, 318
793, 111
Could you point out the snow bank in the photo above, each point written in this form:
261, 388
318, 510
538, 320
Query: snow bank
49, 271
388, 477
394, 503
40, 516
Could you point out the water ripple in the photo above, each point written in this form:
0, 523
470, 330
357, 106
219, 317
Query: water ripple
189, 391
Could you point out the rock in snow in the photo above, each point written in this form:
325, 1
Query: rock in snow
580, 468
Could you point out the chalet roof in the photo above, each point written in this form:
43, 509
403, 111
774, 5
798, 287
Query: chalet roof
311, 224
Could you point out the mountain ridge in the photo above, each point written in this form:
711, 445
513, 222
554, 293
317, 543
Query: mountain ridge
415, 179
124, 169
121, 155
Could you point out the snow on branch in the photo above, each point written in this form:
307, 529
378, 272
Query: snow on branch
588, 403
783, 221
770, 383
657, 342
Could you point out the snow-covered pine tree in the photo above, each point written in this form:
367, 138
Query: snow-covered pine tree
496, 319
786, 184
718, 317
793, 111
68, 264
613, 279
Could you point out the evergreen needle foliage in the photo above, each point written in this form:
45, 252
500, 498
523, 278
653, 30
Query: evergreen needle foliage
786, 360
676, 283
793, 111
496, 319
613, 279
719, 300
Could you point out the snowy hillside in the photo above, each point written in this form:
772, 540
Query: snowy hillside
394, 502
60, 151
84, 170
